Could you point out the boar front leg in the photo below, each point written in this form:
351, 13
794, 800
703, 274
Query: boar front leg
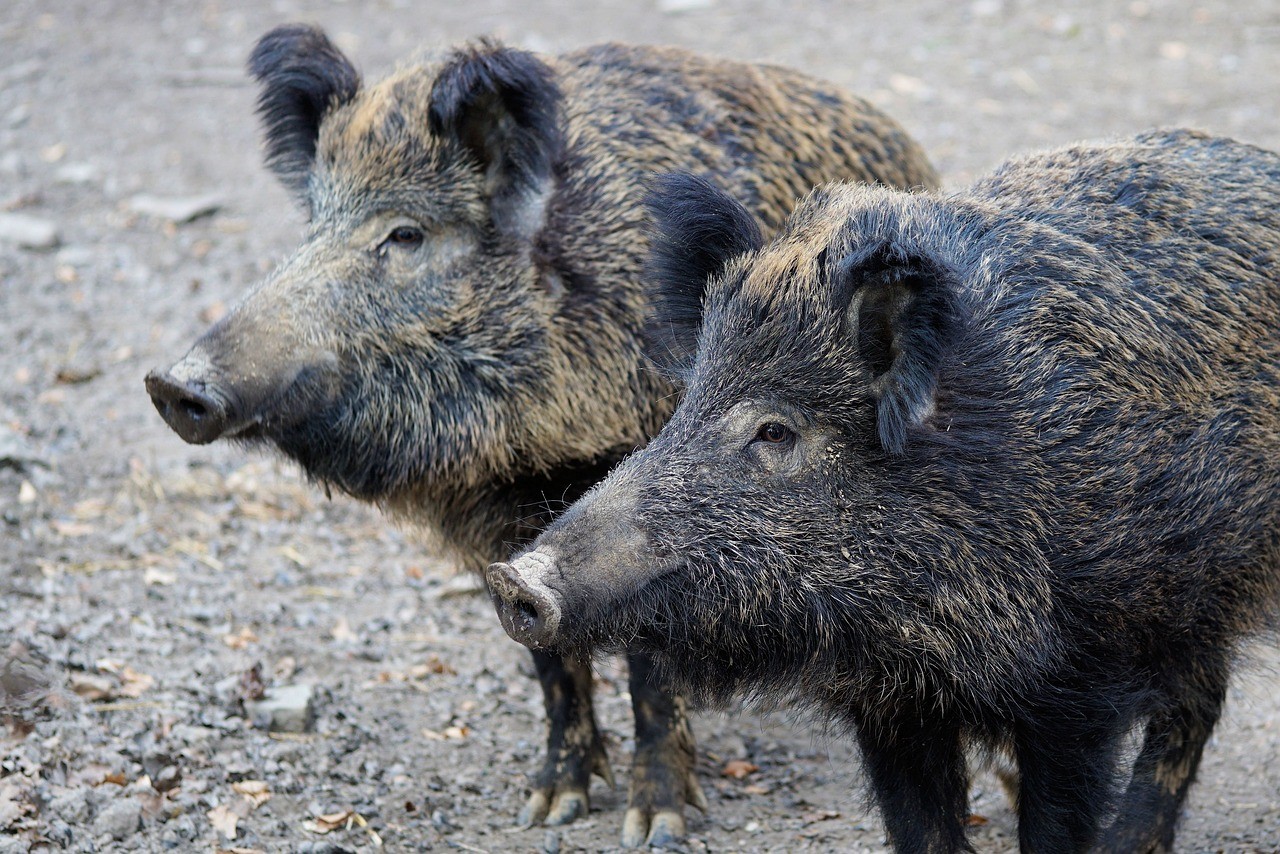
918, 775
663, 778
574, 748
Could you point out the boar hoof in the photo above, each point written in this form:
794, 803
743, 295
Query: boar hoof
664, 828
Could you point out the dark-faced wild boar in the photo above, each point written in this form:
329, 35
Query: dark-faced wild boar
999, 468
458, 338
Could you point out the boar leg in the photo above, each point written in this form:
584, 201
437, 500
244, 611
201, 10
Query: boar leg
918, 775
574, 747
1066, 771
663, 778
1166, 767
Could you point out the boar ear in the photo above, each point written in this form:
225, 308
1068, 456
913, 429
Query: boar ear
502, 105
905, 314
303, 76
697, 230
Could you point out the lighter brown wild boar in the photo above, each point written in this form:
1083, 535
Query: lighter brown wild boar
458, 338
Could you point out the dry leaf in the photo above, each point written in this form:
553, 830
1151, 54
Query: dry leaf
67, 528
92, 687
342, 631
818, 815
135, 684
331, 821
240, 639
757, 789
295, 556
155, 576
224, 820
738, 769
255, 791
433, 664
449, 734
975, 820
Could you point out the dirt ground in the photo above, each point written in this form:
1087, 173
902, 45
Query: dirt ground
147, 587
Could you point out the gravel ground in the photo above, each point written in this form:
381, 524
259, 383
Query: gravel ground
149, 591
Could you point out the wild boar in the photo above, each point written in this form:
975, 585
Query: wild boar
997, 469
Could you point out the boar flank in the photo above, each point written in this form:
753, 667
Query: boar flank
999, 468
458, 337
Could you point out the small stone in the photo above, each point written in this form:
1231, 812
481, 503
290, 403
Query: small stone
77, 173
71, 805
287, 708
551, 842
675, 6
120, 820
28, 232
175, 209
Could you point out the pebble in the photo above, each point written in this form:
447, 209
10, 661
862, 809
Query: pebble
28, 232
120, 820
71, 805
77, 173
287, 708
178, 209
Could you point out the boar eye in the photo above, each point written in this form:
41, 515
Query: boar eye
404, 236
773, 433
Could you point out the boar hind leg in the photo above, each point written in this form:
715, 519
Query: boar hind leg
663, 779
574, 747
917, 772
1165, 768
1066, 773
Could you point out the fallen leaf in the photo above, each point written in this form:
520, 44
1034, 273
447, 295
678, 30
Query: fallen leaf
224, 820
975, 820
818, 815
67, 528
330, 821
254, 790
342, 631
77, 374
449, 734
757, 789
240, 639
152, 576
135, 684
92, 687
433, 664
738, 769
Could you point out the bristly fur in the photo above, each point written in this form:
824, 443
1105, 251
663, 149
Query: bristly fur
697, 230
303, 76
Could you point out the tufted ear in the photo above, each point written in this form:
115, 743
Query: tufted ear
303, 76
906, 316
697, 230
503, 106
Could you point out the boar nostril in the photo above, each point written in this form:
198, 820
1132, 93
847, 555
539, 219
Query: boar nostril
193, 409
528, 614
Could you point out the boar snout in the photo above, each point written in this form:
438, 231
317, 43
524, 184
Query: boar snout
530, 612
196, 408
